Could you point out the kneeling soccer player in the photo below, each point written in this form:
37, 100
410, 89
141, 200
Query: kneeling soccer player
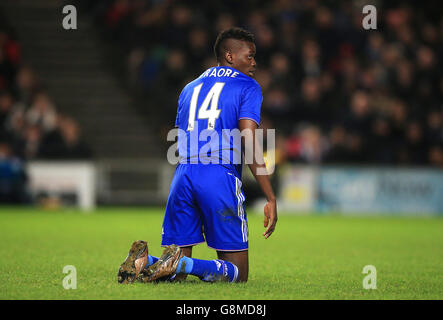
206, 201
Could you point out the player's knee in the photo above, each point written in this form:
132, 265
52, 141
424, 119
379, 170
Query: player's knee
242, 272
239, 260
242, 278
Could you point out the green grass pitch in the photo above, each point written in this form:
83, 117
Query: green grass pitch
308, 257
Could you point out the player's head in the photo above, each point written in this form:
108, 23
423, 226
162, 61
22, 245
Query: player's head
235, 47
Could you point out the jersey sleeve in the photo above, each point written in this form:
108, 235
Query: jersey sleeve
177, 118
251, 103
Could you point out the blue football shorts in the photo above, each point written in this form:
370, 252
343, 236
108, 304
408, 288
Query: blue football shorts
206, 203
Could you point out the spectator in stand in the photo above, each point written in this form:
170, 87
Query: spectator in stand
338, 149
13, 178
42, 112
309, 106
436, 155
26, 84
358, 119
9, 59
6, 103
64, 142
416, 148
380, 144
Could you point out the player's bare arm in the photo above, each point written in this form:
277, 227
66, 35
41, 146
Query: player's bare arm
270, 209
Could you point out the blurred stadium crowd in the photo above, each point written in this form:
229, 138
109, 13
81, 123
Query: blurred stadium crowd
336, 93
30, 125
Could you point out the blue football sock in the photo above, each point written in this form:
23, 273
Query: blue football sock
151, 260
208, 270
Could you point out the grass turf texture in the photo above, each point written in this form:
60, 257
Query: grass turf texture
308, 257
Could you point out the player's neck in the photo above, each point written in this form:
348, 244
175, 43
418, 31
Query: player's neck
225, 64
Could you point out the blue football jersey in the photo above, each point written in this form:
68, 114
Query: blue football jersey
209, 109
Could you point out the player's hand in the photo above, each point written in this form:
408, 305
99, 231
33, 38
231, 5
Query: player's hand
270, 218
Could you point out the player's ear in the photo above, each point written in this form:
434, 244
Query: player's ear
229, 57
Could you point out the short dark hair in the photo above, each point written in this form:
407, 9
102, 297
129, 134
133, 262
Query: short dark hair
232, 33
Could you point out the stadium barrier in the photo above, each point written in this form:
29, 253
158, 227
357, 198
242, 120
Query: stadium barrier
133, 182
54, 183
105, 182
361, 190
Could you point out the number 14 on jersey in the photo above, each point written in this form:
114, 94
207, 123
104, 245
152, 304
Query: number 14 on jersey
208, 109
